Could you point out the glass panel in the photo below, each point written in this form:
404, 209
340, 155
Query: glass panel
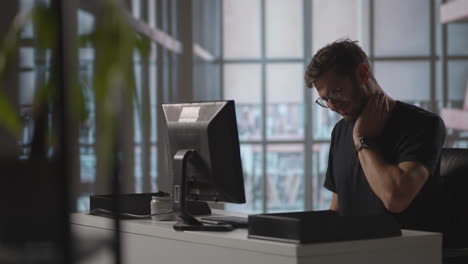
463, 135
82, 203
457, 79
153, 101
252, 164
404, 81
87, 129
164, 12
242, 83
457, 39
152, 13
402, 27
86, 22
438, 29
137, 107
241, 28
462, 143
27, 57
26, 113
206, 25
323, 119
326, 27
28, 29
284, 37
88, 164
154, 168
285, 109
321, 196
285, 177
138, 126
86, 56
25, 5
27, 84
439, 83
136, 8
206, 81
138, 168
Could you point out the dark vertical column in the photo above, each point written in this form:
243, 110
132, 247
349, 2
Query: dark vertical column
184, 90
73, 124
65, 67
126, 136
9, 146
146, 115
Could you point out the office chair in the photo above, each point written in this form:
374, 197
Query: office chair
454, 173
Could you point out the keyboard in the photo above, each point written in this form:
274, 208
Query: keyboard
235, 221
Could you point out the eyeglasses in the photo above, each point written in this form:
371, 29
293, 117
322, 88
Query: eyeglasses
335, 95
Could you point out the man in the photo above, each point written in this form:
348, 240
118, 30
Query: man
384, 154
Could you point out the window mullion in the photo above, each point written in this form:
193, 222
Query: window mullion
263, 103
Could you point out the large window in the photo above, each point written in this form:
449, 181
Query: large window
263, 63
268, 44
141, 119
255, 52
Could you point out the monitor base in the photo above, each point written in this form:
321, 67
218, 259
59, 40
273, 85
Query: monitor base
180, 226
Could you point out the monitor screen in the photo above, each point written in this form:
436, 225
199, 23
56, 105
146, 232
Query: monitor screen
208, 131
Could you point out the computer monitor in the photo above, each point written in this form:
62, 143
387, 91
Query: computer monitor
204, 156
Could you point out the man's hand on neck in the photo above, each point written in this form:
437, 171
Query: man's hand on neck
373, 117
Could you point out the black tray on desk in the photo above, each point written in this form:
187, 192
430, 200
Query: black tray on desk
139, 204
320, 226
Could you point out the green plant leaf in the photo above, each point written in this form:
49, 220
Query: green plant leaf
9, 117
143, 45
45, 25
86, 39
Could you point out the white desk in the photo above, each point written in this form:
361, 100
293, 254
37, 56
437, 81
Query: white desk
146, 241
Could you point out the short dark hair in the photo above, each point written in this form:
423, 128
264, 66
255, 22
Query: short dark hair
342, 56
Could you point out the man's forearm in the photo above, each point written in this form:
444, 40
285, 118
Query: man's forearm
384, 179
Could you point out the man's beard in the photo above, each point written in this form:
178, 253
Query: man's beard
359, 100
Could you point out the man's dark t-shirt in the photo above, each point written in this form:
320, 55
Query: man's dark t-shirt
410, 134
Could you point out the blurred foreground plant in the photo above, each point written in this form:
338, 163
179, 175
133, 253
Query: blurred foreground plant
114, 42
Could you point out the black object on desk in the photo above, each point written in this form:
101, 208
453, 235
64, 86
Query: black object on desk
235, 221
139, 204
320, 226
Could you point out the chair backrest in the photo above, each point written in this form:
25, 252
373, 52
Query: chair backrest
454, 173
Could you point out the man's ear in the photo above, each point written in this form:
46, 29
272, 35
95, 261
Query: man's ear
362, 73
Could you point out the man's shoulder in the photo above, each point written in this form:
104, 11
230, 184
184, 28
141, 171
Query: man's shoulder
417, 117
341, 127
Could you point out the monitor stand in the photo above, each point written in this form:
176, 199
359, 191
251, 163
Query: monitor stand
185, 221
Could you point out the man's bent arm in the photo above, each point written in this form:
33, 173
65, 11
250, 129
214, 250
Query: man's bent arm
395, 185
